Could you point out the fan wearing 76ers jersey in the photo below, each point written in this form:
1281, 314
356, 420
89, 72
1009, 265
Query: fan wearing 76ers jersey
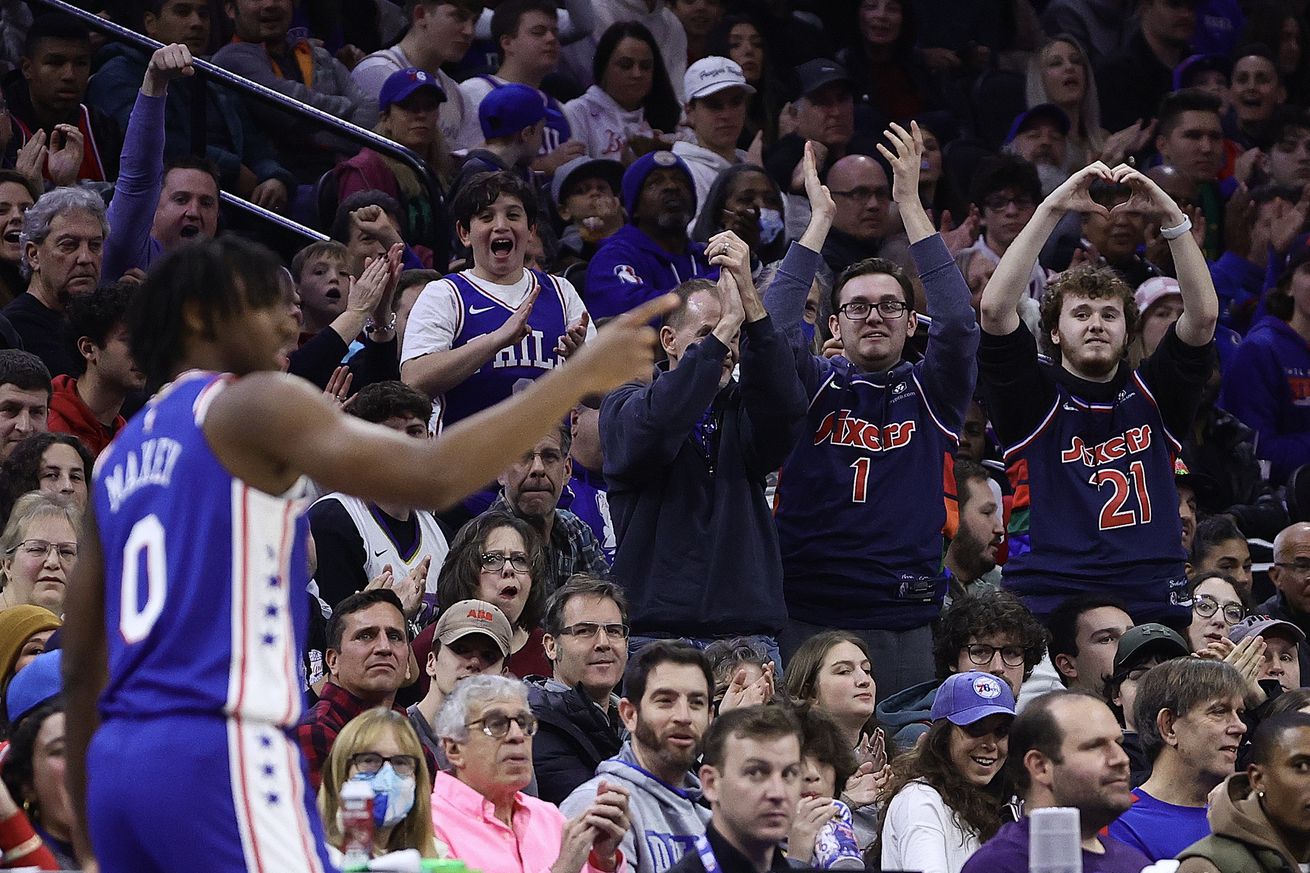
187, 607
474, 336
859, 502
1090, 441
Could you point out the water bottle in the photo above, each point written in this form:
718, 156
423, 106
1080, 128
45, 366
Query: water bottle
835, 847
1056, 841
357, 825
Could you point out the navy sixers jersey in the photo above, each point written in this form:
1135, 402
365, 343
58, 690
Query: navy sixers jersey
481, 313
1104, 506
859, 505
205, 577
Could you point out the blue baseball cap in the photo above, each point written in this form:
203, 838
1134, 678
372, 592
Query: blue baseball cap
510, 108
33, 685
403, 84
1041, 112
965, 698
635, 176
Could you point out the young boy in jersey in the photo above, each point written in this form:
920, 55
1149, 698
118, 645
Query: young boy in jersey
473, 337
188, 606
1090, 441
859, 507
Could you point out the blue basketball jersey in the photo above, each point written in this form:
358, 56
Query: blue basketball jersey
859, 503
205, 576
480, 313
1104, 506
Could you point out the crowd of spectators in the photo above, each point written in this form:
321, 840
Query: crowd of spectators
880, 559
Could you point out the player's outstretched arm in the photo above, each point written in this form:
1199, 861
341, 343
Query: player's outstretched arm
999, 309
302, 433
905, 157
1200, 302
85, 671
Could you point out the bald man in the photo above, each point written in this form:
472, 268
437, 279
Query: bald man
862, 225
1290, 574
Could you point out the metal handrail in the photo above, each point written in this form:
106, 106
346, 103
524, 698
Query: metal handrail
207, 70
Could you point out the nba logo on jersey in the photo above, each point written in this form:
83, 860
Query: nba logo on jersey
626, 273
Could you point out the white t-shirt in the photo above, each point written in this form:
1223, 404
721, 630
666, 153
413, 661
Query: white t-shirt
437, 312
920, 833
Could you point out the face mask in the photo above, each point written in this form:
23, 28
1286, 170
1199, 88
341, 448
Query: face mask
771, 226
393, 796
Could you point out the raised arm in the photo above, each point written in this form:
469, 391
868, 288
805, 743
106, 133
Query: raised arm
1200, 302
905, 163
999, 309
303, 433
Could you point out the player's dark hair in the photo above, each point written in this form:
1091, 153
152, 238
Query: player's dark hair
1095, 283
24, 370
219, 277
1211, 532
96, 314
505, 20
967, 471
193, 162
822, 740
340, 230
581, 585
20, 473
767, 722
650, 656
1062, 623
870, 267
382, 400
983, 612
1037, 728
999, 172
462, 568
358, 602
1269, 735
661, 103
685, 292
1173, 105
54, 25
1180, 685
18, 178
484, 189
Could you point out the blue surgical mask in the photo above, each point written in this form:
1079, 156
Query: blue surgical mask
771, 226
393, 795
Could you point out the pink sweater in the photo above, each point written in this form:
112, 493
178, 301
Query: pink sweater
467, 823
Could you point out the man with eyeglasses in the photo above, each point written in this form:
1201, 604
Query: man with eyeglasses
861, 220
859, 508
586, 624
1290, 574
479, 809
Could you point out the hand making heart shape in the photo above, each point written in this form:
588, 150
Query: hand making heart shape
1098, 189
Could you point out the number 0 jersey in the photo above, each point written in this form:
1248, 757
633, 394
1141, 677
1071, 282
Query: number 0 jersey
205, 576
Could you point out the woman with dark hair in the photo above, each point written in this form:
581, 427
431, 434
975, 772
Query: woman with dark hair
746, 201
889, 72
500, 559
632, 99
56, 463
946, 793
34, 777
1277, 24
741, 38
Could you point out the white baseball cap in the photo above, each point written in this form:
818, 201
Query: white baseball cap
711, 75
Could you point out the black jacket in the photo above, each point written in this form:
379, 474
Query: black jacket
573, 737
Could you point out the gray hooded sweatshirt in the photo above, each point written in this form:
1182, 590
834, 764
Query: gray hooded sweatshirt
665, 820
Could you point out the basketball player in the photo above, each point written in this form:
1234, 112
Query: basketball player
188, 610
1088, 440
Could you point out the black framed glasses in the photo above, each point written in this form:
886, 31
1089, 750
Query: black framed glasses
858, 310
494, 561
497, 724
1206, 606
371, 762
998, 202
67, 552
589, 630
982, 654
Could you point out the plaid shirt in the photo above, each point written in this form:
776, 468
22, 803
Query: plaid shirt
573, 548
319, 727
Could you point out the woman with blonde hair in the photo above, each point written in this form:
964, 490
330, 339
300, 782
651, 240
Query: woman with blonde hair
38, 549
381, 748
